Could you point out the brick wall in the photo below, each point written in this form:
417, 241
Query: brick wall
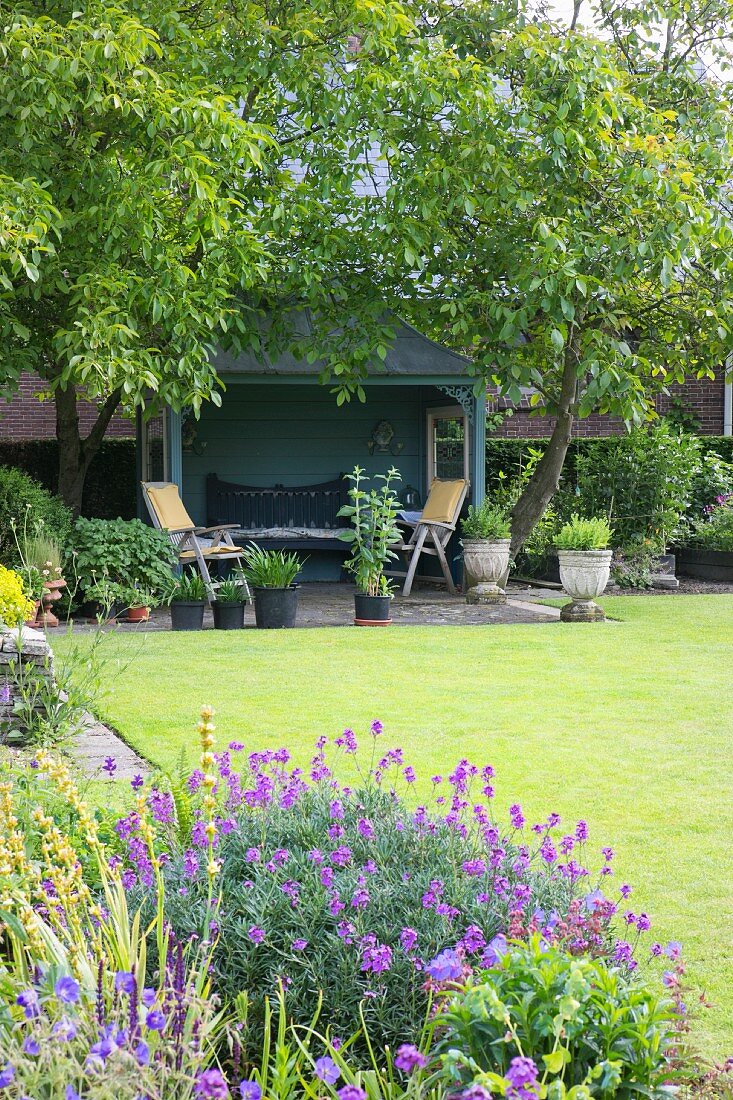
25, 417
703, 398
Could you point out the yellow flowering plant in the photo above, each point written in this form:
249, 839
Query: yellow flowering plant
15, 607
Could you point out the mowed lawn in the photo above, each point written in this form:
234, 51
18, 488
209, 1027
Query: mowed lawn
628, 725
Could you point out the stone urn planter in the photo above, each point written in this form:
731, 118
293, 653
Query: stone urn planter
486, 563
584, 575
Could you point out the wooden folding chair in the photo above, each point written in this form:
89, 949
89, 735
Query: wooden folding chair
432, 532
194, 545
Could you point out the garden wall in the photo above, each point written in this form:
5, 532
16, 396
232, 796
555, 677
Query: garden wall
34, 650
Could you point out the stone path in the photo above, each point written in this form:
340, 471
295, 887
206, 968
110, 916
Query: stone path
95, 743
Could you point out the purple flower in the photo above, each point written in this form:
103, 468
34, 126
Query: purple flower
409, 1058
376, 729
361, 898
190, 863
210, 1085
624, 890
31, 1046
673, 950
64, 1029
408, 939
28, 1001
473, 939
353, 1092
110, 765
340, 857
125, 981
252, 855
155, 1020
445, 967
250, 1090
474, 867
476, 1092
365, 828
409, 774
299, 945
142, 1053
255, 934
581, 832
376, 958
548, 850
137, 782
643, 922
67, 990
71, 1093
516, 816
522, 1078
495, 951
326, 1070
7, 1073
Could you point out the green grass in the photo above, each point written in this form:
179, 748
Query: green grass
627, 725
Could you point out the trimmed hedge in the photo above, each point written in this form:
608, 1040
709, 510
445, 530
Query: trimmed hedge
509, 455
110, 491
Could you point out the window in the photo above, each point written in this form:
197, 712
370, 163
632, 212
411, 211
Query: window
447, 443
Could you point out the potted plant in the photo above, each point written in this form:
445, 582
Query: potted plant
585, 566
373, 531
486, 544
228, 607
272, 573
139, 602
187, 599
107, 598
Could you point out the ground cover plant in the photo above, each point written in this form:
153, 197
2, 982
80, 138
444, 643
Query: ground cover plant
627, 725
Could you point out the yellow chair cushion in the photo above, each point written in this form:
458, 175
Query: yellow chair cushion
443, 500
210, 552
169, 507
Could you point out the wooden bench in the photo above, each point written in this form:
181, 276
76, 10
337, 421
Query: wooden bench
266, 516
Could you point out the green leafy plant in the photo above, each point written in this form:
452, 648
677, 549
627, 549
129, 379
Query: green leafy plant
270, 568
715, 532
127, 552
231, 591
488, 521
373, 530
632, 565
584, 534
188, 588
642, 480
589, 1027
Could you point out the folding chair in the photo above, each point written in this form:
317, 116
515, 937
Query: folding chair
199, 545
432, 531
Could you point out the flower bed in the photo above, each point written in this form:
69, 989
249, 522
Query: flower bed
389, 940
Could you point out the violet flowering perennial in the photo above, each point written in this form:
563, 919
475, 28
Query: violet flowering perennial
377, 889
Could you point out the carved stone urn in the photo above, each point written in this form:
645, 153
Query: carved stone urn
486, 561
584, 575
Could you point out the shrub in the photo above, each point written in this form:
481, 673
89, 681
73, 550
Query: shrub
715, 531
488, 521
15, 606
346, 893
643, 484
25, 504
584, 534
559, 1023
123, 552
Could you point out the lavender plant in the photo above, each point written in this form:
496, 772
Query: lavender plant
342, 893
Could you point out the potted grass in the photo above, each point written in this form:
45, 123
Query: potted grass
228, 607
486, 545
585, 566
187, 599
373, 532
271, 574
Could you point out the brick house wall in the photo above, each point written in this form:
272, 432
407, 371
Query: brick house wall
703, 398
25, 417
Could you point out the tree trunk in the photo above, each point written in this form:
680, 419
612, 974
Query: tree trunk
75, 453
543, 483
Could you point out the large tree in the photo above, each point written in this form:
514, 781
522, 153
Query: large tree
559, 214
155, 141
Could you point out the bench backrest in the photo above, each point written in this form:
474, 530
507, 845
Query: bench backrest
256, 508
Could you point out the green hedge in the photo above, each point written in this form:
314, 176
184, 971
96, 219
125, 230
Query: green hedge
110, 490
509, 455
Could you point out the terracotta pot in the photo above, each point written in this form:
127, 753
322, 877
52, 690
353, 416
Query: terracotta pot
51, 592
584, 575
486, 561
34, 620
138, 614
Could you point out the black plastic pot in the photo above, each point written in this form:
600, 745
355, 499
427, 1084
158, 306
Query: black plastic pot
275, 607
372, 610
187, 616
228, 615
